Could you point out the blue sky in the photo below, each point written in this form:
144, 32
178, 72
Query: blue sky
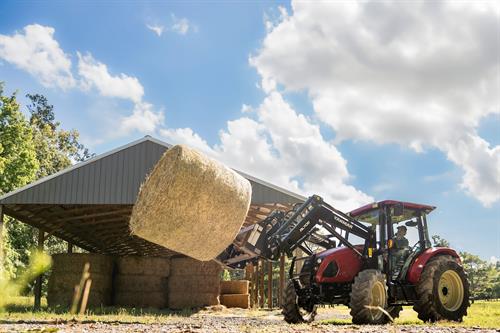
354, 101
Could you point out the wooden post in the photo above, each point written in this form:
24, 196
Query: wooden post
255, 286
282, 280
270, 284
70, 247
261, 285
39, 280
1, 239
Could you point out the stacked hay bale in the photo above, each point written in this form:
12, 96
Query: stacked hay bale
141, 282
234, 294
193, 283
67, 271
188, 197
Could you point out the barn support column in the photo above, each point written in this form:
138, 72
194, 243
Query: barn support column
282, 280
39, 280
1, 239
70, 247
261, 284
270, 284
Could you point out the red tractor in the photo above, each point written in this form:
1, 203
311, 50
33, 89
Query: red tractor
387, 270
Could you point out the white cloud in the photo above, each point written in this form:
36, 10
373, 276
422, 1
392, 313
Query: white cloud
283, 147
143, 119
36, 51
420, 74
156, 28
181, 25
96, 74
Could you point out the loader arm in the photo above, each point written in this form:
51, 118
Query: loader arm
313, 223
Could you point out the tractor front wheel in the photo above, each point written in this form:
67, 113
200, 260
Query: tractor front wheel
369, 298
293, 313
443, 291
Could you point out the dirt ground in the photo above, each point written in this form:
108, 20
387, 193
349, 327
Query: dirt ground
225, 321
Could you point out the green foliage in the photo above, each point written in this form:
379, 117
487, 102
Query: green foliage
39, 263
440, 242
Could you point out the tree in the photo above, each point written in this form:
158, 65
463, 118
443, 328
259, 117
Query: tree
18, 165
477, 273
440, 242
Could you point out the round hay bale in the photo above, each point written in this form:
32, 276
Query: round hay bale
143, 266
190, 266
194, 284
141, 283
140, 299
74, 263
236, 301
67, 281
234, 287
187, 197
191, 300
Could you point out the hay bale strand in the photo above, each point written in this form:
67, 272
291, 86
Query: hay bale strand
143, 266
234, 287
141, 299
142, 283
184, 300
191, 204
189, 266
74, 262
194, 284
236, 301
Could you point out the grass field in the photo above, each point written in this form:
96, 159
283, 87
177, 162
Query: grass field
482, 314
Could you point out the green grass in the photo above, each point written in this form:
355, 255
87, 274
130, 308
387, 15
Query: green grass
482, 314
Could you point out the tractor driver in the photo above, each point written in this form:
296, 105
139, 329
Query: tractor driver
400, 242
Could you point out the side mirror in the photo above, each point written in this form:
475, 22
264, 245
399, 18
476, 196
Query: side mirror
411, 223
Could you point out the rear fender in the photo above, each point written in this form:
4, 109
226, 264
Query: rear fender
421, 260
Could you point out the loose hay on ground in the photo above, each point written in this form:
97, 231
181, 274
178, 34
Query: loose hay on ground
191, 204
234, 287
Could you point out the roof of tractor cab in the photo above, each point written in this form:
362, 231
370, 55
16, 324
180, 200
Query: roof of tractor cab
406, 205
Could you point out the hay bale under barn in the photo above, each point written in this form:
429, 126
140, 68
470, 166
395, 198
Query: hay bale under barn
66, 274
143, 266
182, 300
142, 283
189, 266
195, 284
141, 299
191, 204
234, 287
235, 300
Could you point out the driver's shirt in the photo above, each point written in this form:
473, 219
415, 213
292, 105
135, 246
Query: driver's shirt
401, 243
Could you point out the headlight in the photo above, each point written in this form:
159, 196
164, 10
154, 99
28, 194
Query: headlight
319, 260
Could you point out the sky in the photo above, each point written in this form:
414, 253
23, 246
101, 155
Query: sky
354, 101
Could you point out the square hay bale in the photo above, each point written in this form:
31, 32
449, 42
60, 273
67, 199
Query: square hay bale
140, 283
194, 284
74, 263
236, 301
191, 204
234, 287
143, 266
186, 300
64, 298
141, 299
66, 281
189, 266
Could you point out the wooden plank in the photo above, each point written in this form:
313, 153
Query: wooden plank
39, 279
70, 247
282, 280
270, 284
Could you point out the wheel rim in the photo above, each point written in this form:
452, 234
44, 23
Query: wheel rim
451, 290
378, 299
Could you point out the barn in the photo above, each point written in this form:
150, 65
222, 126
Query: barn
89, 205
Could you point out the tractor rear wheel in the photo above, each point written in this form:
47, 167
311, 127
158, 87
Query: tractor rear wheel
293, 313
368, 297
443, 291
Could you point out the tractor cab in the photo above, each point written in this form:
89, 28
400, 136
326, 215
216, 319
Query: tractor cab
402, 233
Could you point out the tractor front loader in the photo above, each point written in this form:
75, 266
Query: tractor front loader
357, 259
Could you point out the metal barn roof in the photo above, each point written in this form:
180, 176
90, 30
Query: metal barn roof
89, 204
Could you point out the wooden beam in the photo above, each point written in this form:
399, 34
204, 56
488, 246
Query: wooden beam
282, 280
255, 284
39, 279
261, 284
70, 247
270, 284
